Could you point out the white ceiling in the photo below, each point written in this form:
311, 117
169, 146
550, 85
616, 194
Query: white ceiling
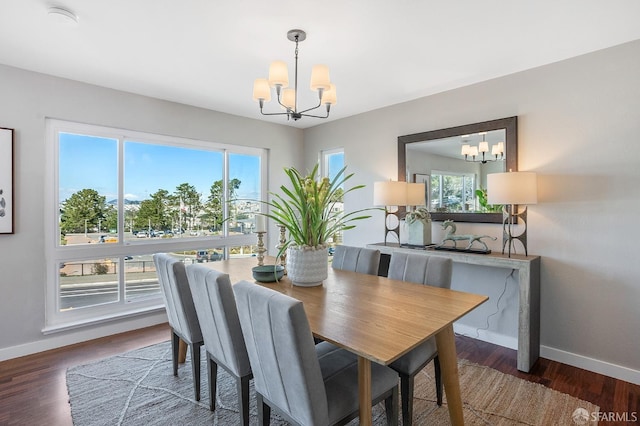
207, 53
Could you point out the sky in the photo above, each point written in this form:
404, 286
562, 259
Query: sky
91, 162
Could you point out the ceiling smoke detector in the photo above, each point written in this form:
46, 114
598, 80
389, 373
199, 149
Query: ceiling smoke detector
62, 15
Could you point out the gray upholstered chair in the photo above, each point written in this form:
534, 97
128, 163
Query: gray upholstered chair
429, 270
357, 259
306, 384
180, 312
218, 316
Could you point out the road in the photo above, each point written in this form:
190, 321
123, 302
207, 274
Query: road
87, 294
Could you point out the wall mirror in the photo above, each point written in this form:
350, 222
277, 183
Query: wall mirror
436, 158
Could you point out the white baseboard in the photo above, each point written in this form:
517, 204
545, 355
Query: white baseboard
54, 341
595, 365
580, 361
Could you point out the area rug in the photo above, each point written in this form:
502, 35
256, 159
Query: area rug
138, 389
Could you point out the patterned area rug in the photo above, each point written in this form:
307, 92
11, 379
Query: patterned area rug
138, 389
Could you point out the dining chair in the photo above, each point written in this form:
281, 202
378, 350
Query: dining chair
306, 384
218, 316
428, 270
357, 259
181, 313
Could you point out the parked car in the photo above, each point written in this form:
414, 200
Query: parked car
202, 256
215, 256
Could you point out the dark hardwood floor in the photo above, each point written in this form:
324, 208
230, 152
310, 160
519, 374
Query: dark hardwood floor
33, 390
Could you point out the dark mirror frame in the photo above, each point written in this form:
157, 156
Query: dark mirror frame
510, 124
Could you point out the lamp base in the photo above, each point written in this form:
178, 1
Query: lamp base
508, 217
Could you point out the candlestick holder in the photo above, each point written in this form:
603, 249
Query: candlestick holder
261, 250
283, 240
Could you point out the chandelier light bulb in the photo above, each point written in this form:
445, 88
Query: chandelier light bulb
261, 91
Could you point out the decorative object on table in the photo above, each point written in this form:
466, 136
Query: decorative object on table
267, 273
288, 98
450, 226
261, 229
418, 224
6, 181
281, 243
512, 189
306, 210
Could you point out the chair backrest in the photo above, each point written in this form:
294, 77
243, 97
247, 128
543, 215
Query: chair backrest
218, 316
283, 358
357, 259
416, 268
177, 297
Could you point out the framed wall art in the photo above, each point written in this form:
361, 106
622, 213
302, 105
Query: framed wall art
6, 181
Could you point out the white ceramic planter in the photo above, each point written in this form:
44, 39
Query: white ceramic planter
308, 266
418, 233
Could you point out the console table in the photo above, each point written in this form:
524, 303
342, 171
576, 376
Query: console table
528, 268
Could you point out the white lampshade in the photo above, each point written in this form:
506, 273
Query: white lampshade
390, 193
495, 149
289, 98
261, 90
465, 149
278, 74
473, 151
483, 147
329, 96
512, 188
320, 77
415, 194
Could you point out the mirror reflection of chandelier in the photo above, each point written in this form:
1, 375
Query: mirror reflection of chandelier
288, 98
497, 150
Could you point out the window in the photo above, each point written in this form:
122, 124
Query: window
452, 192
119, 196
332, 162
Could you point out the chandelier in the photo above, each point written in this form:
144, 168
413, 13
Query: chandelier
288, 98
497, 150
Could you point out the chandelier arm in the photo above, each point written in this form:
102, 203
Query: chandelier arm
315, 116
273, 113
312, 108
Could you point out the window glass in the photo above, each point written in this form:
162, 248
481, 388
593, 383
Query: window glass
452, 192
165, 189
122, 196
332, 163
87, 189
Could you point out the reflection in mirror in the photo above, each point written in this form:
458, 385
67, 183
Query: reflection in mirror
454, 164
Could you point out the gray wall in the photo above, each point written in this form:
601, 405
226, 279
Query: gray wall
579, 129
26, 99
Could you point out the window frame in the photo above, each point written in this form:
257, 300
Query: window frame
56, 320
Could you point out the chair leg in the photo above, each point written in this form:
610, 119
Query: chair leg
243, 399
438, 374
195, 368
175, 344
406, 392
392, 407
264, 411
212, 375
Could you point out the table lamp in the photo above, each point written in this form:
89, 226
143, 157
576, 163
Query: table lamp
511, 189
390, 194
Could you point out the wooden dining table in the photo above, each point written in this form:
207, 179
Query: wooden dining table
378, 319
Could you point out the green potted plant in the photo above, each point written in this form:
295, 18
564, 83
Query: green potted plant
306, 209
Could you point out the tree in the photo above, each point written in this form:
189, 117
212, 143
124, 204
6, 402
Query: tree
188, 200
83, 210
155, 212
213, 207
